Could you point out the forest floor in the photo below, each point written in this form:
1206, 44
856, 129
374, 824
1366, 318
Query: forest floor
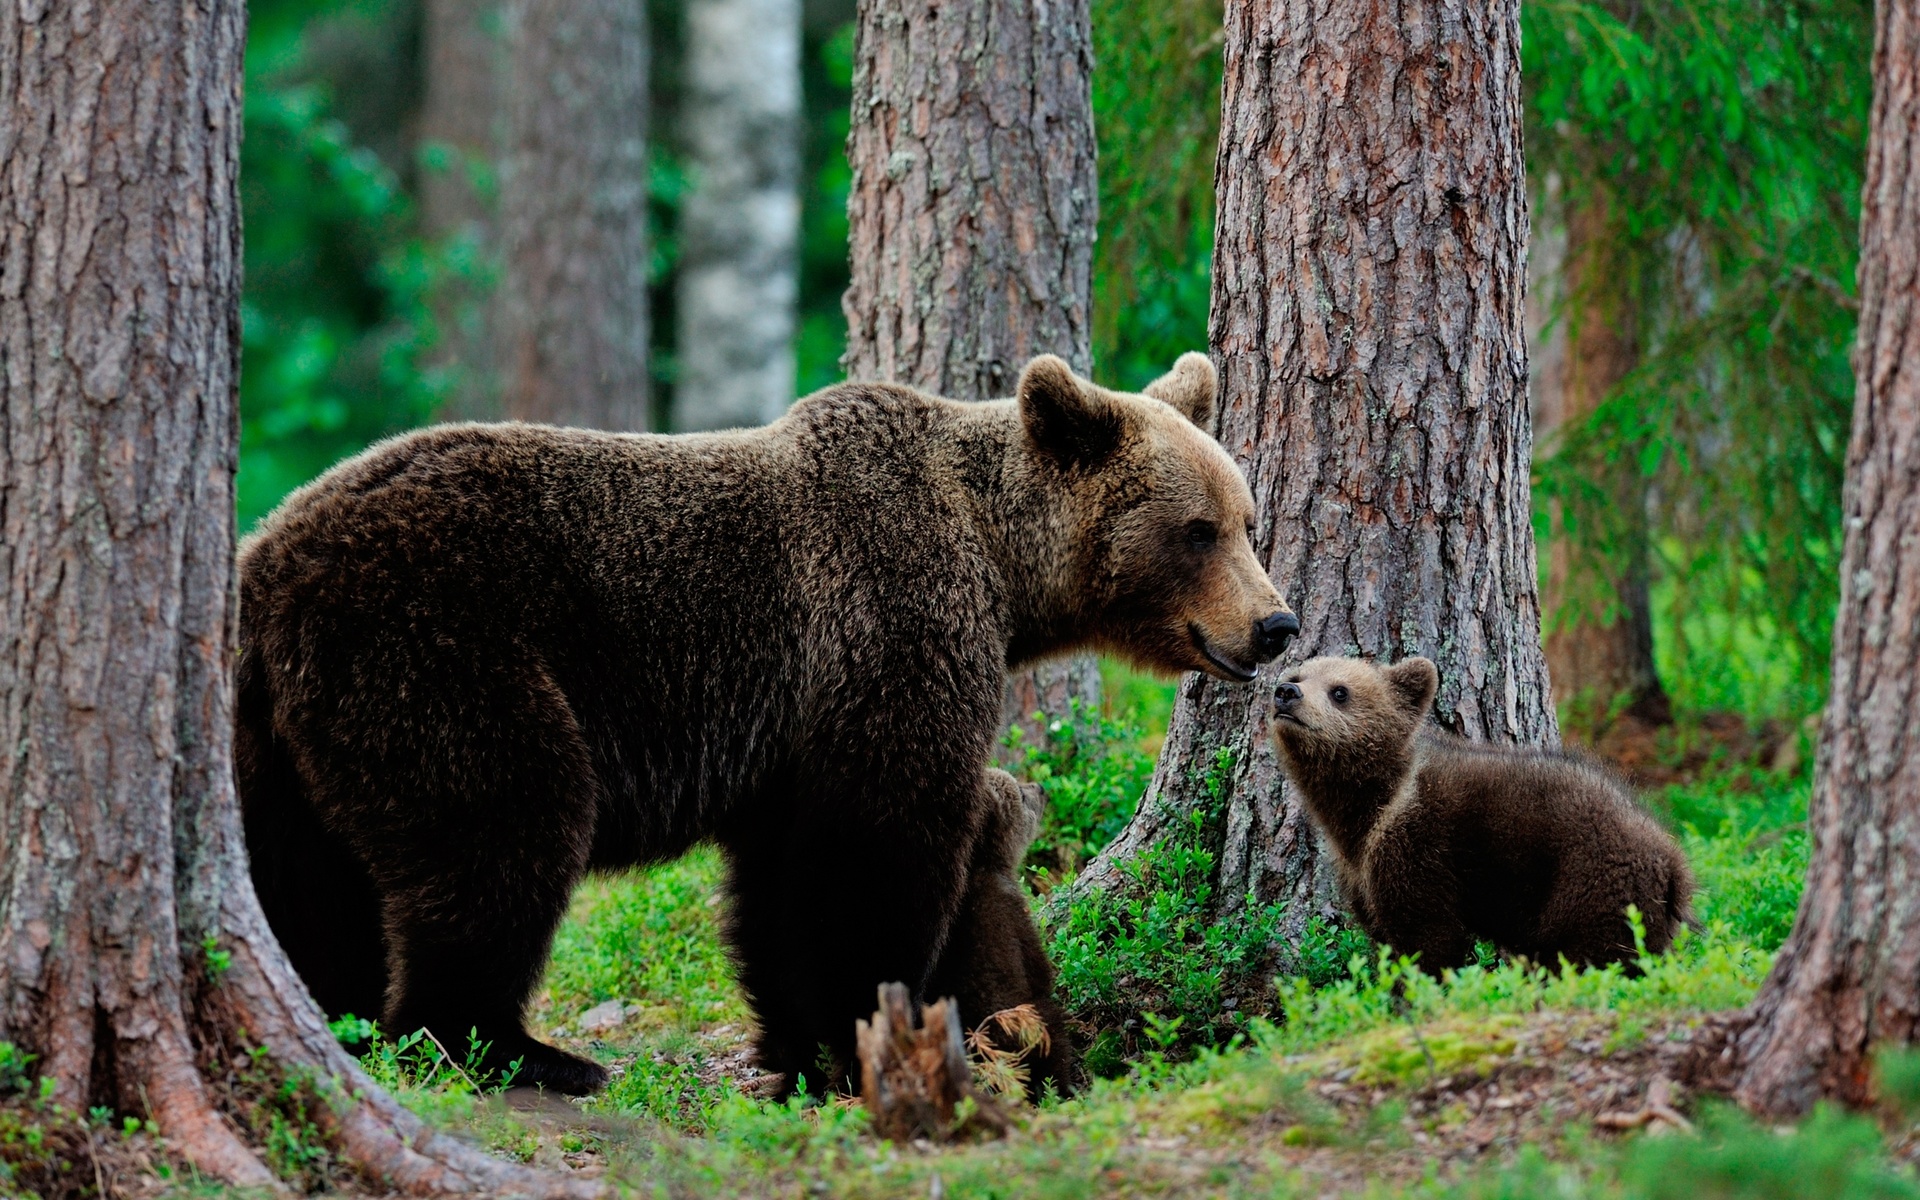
1500, 1081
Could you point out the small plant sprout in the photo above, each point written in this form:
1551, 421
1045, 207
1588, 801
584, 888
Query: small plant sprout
219, 961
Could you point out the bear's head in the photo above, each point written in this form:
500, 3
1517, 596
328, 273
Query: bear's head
1156, 519
1351, 712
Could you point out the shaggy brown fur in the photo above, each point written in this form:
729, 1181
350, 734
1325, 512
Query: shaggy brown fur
480, 660
1441, 841
994, 960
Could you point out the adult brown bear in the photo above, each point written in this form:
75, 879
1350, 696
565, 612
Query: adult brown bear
480, 660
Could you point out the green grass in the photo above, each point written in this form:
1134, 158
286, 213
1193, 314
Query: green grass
650, 939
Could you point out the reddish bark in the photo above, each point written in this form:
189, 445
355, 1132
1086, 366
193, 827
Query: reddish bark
1598, 605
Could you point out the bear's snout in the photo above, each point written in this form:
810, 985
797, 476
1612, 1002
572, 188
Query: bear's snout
1272, 633
1287, 695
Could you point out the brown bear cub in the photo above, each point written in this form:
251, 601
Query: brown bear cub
1440, 841
480, 661
993, 960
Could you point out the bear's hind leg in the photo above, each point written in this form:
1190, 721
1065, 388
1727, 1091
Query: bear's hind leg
314, 890
475, 863
466, 955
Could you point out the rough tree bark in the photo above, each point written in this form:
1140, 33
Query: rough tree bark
119, 354
738, 280
1600, 648
1368, 322
462, 126
1848, 977
971, 214
573, 214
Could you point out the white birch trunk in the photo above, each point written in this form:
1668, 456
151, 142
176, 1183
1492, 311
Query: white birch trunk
739, 235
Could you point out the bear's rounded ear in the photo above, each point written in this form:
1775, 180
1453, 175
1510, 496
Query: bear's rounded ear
1065, 417
1191, 387
1414, 682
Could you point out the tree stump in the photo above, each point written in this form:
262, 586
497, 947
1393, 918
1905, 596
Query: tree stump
915, 1077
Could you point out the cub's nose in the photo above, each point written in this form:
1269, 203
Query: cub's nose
1271, 634
1286, 695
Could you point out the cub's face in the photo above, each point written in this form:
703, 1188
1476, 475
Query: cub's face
1166, 521
1332, 705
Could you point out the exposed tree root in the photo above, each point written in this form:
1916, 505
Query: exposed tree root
195, 1129
259, 998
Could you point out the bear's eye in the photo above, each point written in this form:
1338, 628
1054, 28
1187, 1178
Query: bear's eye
1339, 695
1201, 534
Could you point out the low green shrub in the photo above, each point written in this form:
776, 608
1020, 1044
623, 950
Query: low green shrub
1832, 1154
1094, 771
1745, 832
1157, 942
1701, 973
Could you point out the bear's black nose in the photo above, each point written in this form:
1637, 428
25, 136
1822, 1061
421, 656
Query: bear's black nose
1286, 695
1271, 634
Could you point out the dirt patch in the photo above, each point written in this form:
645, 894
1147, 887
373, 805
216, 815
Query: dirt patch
1542, 1076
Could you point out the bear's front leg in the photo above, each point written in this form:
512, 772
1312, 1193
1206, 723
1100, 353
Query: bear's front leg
1412, 900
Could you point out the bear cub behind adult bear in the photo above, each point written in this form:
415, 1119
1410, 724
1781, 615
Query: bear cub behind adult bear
1440, 841
994, 960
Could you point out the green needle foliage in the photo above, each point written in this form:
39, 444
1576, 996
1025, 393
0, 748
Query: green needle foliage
335, 322
1724, 140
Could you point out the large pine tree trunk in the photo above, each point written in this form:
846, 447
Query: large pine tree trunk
462, 127
123, 857
971, 213
738, 281
574, 215
1600, 650
1368, 323
1848, 978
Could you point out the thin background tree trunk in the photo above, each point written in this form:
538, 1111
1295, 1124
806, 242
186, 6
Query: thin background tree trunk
1848, 978
123, 857
462, 127
574, 215
1603, 653
1368, 319
972, 212
738, 283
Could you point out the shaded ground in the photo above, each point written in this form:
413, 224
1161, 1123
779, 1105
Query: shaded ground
1391, 1107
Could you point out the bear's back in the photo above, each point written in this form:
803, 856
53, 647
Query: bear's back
1523, 828
701, 603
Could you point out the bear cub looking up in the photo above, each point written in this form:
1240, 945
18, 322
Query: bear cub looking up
1440, 841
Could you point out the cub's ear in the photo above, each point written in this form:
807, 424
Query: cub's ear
1190, 387
1065, 417
1414, 682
